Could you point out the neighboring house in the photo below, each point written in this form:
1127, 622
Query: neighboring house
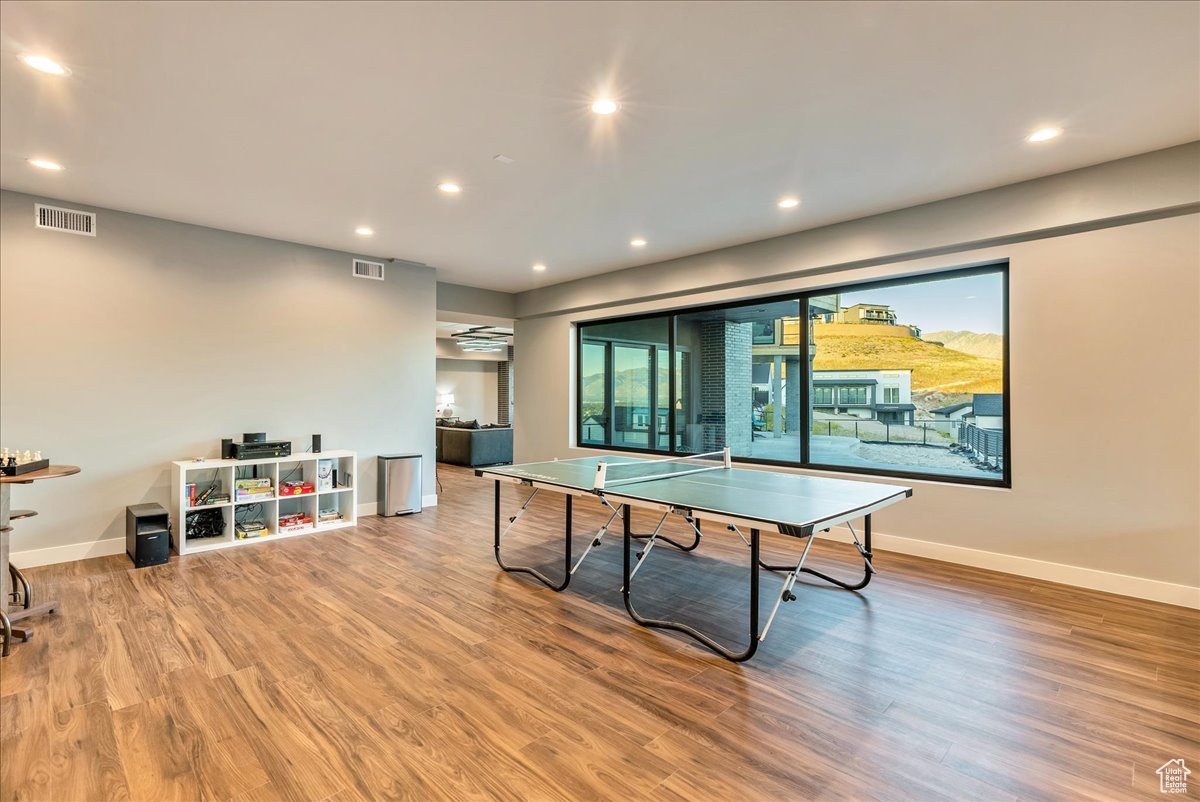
987, 411
954, 412
980, 425
883, 395
947, 419
879, 314
859, 314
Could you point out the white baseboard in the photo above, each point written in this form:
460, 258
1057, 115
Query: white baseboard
1121, 584
69, 553
429, 500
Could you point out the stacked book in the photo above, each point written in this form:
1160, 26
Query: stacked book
253, 489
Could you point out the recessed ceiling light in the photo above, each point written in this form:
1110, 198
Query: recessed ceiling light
1043, 134
605, 106
46, 164
789, 203
45, 64
449, 187
364, 231
638, 242
539, 268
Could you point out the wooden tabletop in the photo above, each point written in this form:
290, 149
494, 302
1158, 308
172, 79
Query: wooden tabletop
52, 472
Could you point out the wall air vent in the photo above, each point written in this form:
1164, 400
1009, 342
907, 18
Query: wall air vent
364, 269
71, 221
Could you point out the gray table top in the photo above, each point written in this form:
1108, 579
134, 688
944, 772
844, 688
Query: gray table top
784, 500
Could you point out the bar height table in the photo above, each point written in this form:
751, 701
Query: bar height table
7, 617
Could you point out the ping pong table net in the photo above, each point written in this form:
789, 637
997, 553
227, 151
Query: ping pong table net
617, 474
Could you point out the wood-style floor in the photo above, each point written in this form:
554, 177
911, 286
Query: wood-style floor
396, 661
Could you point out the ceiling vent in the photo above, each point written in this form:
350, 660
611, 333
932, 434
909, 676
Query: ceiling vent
71, 221
364, 269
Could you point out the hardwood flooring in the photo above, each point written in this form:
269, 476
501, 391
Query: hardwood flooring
396, 661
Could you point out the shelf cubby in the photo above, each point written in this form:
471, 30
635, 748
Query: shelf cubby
339, 500
265, 511
185, 544
297, 467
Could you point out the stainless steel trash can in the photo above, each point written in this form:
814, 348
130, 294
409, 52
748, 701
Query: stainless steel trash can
399, 484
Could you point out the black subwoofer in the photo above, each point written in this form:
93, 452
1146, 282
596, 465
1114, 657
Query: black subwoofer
147, 534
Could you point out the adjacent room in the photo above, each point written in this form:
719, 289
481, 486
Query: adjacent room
474, 393
815, 392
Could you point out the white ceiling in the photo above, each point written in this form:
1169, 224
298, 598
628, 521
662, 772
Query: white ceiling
300, 121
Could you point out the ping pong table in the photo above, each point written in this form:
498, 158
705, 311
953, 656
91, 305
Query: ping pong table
697, 489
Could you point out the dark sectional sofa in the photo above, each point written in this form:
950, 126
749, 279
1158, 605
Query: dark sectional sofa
474, 447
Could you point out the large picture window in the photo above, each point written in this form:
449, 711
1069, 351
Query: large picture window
904, 378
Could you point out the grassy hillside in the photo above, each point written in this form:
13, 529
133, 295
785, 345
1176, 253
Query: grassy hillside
935, 368
986, 345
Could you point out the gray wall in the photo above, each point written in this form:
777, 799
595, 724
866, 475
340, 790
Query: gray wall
1104, 339
151, 341
1153, 182
473, 385
491, 305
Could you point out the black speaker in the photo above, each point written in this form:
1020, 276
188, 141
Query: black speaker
147, 534
254, 437
226, 448
316, 444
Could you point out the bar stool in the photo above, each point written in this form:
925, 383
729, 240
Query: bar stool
25, 595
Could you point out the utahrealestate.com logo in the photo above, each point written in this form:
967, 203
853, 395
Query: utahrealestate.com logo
1172, 777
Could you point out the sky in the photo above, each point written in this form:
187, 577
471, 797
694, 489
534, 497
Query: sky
968, 303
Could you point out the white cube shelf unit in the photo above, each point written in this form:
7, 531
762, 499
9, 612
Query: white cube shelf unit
270, 507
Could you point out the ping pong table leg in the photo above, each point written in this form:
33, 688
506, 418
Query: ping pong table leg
696, 534
864, 549
728, 654
524, 569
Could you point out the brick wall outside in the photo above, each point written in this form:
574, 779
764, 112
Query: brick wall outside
725, 376
791, 395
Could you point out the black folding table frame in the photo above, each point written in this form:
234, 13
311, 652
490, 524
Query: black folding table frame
756, 635
568, 568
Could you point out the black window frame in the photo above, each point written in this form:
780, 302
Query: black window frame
856, 396
1002, 267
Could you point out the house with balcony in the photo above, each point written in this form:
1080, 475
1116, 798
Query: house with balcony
864, 314
876, 314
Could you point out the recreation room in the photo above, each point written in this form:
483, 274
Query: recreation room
814, 384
